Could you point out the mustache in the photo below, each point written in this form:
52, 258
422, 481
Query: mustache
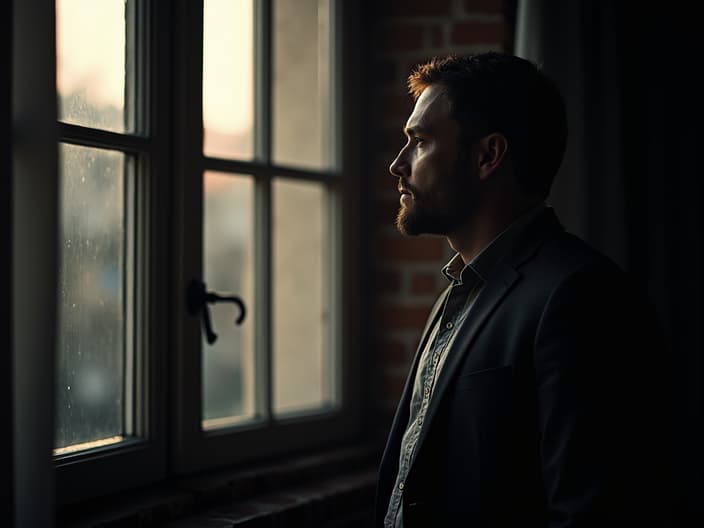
403, 184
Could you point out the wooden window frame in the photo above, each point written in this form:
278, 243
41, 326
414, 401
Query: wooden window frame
171, 441
100, 471
196, 449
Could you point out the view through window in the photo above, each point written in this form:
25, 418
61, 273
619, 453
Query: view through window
95, 355
302, 355
268, 229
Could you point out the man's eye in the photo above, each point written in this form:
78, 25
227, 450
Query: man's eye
417, 140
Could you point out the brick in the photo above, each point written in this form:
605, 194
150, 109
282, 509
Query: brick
397, 107
393, 387
415, 249
474, 32
408, 37
382, 161
382, 180
387, 281
424, 283
385, 184
392, 139
483, 6
393, 353
437, 37
385, 71
399, 317
386, 215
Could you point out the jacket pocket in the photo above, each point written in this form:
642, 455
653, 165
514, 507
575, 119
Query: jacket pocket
484, 378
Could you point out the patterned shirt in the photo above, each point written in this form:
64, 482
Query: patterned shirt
467, 283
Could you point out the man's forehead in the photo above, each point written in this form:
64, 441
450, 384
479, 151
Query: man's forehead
432, 103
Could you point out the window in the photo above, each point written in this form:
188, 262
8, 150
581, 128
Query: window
265, 177
110, 163
96, 250
199, 144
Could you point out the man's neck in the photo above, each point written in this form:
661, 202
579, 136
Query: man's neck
479, 232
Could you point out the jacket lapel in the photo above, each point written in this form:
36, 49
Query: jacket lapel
488, 299
498, 285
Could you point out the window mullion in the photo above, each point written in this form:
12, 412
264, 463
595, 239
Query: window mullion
131, 60
188, 202
93, 137
262, 81
335, 36
263, 295
262, 170
262, 207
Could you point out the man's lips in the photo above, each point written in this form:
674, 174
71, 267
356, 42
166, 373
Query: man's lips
406, 195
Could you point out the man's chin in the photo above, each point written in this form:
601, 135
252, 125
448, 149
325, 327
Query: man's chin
411, 223
408, 223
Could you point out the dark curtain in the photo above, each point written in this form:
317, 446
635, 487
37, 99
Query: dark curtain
631, 182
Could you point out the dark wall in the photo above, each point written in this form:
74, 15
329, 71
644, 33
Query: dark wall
631, 184
662, 141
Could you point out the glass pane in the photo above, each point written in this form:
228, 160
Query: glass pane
90, 69
93, 312
301, 98
228, 79
302, 355
228, 364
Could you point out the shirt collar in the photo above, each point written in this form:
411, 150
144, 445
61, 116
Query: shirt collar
482, 264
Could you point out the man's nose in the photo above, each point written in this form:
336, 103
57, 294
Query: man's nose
399, 167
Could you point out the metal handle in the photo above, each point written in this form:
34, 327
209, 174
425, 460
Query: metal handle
197, 299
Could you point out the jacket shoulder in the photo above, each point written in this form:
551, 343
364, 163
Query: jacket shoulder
565, 255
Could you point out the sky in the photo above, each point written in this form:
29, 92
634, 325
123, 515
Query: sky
91, 58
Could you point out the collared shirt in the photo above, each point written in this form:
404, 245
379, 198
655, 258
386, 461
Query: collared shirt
467, 283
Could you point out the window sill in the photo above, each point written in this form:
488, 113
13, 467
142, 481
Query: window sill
333, 488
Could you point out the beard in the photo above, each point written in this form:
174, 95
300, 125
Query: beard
439, 211
422, 217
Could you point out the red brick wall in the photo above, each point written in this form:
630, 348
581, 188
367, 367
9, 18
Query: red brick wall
407, 270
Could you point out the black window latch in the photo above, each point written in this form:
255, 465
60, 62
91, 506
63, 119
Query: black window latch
197, 299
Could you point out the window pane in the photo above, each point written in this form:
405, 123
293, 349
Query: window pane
90, 70
228, 100
302, 356
301, 98
228, 364
93, 308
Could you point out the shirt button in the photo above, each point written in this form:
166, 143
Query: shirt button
400, 486
420, 420
427, 390
435, 358
449, 325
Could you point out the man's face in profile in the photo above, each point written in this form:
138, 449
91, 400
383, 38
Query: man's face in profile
434, 177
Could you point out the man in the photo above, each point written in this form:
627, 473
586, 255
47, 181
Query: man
532, 399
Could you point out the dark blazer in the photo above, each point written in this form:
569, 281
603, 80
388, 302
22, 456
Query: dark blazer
550, 408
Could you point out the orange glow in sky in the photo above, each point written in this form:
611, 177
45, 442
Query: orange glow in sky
90, 49
91, 58
227, 66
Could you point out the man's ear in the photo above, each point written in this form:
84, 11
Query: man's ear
493, 150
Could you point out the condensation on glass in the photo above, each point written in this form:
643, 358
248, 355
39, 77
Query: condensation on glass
90, 69
228, 79
301, 83
94, 353
228, 267
301, 327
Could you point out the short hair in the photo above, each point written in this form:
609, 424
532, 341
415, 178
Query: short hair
495, 92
